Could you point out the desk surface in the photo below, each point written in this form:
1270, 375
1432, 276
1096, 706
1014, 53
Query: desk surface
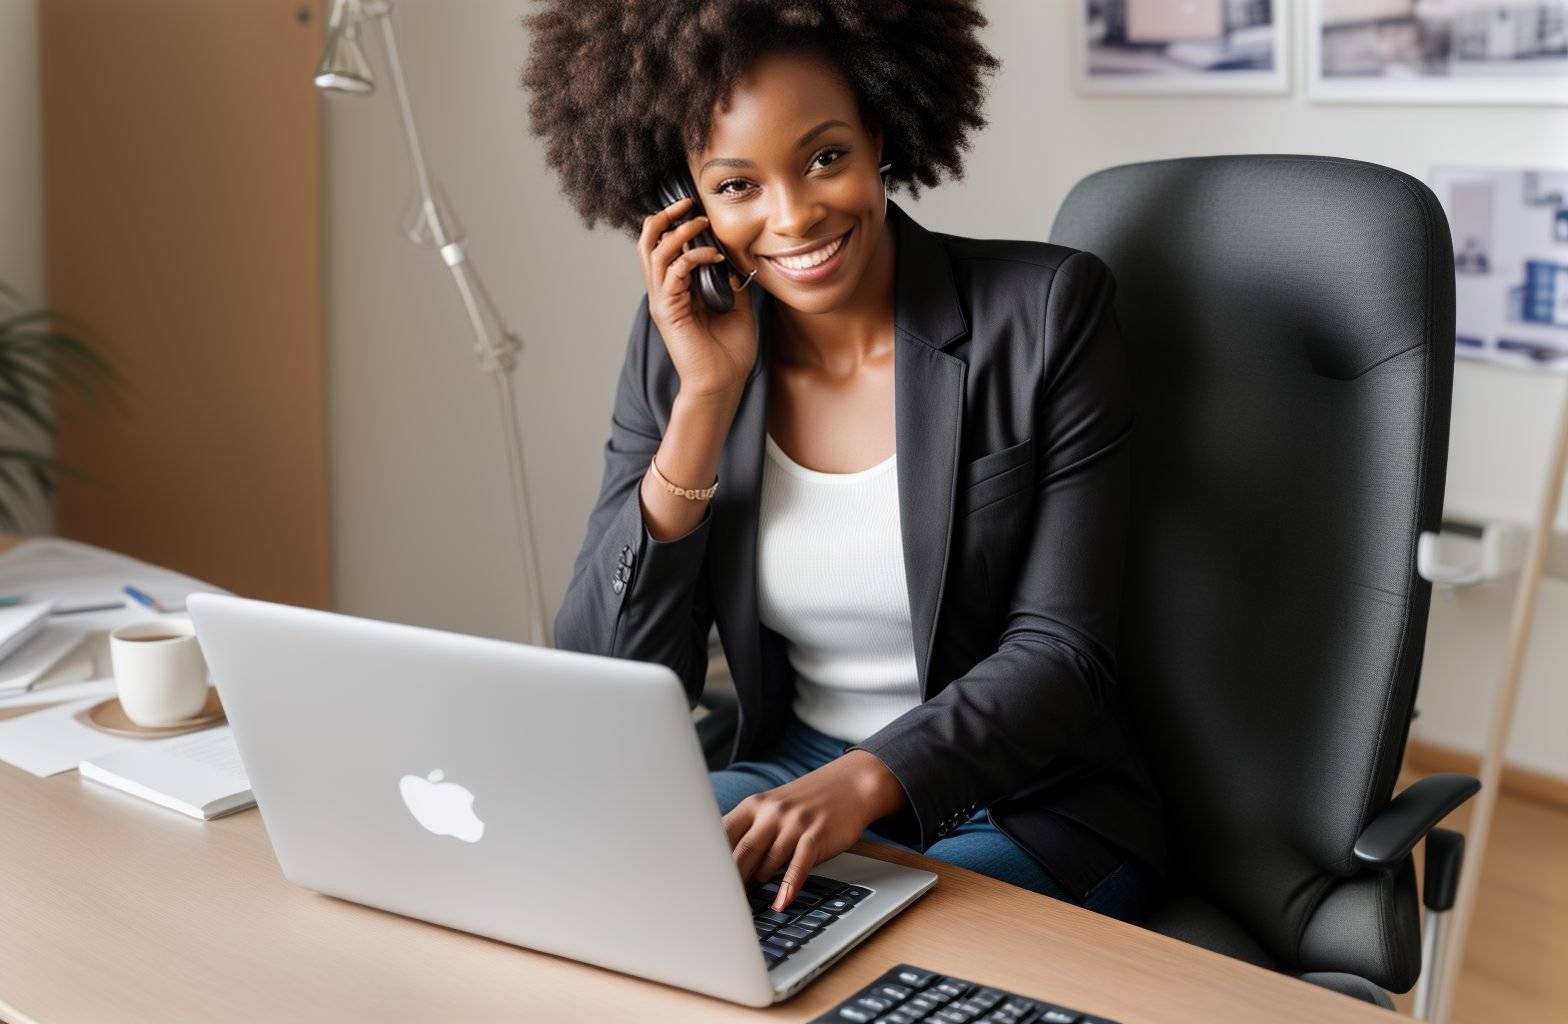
117, 909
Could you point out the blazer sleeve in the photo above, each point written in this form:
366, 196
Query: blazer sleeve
631, 595
993, 730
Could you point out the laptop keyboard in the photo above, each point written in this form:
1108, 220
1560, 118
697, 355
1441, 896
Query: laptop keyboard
906, 994
815, 908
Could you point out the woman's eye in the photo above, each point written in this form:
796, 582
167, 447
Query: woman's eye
834, 153
723, 187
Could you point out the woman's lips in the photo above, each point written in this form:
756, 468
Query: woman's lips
821, 270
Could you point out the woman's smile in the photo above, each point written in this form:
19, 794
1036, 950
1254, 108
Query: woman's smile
815, 265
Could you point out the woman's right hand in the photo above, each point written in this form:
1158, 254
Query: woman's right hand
713, 353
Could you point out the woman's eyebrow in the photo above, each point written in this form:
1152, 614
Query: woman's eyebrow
727, 161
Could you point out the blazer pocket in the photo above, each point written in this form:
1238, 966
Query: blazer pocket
995, 475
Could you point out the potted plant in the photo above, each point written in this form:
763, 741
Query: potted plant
40, 352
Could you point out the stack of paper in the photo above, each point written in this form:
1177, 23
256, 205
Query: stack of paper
198, 774
72, 575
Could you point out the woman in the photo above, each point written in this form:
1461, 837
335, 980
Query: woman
895, 474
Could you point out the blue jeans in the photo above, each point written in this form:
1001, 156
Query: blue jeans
976, 844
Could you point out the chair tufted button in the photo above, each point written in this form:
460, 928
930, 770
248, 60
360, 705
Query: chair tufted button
624, 574
628, 556
617, 585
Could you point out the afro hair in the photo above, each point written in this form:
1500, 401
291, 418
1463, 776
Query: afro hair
621, 90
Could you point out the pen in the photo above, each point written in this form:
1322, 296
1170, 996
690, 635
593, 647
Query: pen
144, 599
88, 608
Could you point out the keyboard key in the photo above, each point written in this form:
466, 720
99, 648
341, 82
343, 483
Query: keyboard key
915, 977
1057, 1015
764, 930
954, 987
873, 1003
989, 997
855, 893
1018, 1007
949, 1015
922, 1004
897, 993
836, 905
771, 957
822, 885
897, 1017
780, 944
797, 933
855, 1014
774, 917
816, 919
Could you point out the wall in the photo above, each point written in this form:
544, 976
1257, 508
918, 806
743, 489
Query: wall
21, 193
420, 513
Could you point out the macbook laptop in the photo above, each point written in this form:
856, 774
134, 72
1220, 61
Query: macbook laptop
549, 799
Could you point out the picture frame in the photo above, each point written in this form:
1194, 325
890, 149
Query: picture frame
1196, 47
1459, 52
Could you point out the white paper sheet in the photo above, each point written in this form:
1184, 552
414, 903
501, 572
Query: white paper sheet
52, 741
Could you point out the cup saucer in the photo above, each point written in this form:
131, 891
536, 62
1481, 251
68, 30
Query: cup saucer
109, 716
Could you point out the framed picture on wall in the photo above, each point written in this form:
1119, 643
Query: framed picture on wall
1180, 46
1438, 51
1510, 263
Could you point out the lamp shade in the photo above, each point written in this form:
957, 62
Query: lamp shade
343, 66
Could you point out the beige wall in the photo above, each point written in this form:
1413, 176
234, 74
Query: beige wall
420, 515
21, 192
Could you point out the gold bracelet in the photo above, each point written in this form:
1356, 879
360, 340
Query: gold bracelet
685, 492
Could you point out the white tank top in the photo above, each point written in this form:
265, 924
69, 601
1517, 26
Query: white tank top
830, 579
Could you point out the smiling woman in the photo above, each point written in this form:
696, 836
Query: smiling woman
913, 558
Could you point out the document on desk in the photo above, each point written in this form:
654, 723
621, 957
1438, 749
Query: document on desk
55, 740
198, 774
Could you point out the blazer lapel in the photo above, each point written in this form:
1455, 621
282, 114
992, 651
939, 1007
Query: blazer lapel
928, 412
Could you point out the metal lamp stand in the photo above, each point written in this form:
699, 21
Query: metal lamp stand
343, 68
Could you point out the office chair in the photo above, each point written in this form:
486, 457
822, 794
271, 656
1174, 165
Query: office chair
1289, 323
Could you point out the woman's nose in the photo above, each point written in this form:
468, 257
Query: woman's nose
796, 212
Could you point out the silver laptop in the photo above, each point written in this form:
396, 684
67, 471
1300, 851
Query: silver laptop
549, 799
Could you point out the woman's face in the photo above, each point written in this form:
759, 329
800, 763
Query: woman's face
789, 176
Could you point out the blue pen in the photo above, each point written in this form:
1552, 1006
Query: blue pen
144, 599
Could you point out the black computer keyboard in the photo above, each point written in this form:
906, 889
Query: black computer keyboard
815, 908
908, 994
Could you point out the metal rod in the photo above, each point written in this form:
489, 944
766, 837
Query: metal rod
1431, 964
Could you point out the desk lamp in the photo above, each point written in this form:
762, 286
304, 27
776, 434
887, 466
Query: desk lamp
429, 222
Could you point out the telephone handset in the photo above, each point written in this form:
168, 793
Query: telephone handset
711, 281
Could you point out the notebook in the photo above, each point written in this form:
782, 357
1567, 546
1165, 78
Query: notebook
198, 774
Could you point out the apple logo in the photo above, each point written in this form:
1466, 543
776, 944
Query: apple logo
444, 808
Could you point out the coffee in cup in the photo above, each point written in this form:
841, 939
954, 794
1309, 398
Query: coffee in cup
159, 671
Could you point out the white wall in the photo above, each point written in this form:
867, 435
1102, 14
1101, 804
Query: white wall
420, 515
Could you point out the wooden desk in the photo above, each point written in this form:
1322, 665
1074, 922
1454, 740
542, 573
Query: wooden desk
112, 908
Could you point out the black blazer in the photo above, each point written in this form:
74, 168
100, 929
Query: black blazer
1013, 415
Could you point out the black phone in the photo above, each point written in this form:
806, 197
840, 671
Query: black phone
711, 281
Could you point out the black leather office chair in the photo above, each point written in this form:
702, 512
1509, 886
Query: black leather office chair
1290, 330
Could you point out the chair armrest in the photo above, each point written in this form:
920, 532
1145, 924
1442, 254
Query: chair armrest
1410, 816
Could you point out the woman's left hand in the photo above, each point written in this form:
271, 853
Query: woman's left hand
802, 823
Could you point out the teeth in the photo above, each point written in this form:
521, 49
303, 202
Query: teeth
810, 259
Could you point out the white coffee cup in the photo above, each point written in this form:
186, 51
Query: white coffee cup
159, 670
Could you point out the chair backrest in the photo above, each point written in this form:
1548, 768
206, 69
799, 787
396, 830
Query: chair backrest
1290, 331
